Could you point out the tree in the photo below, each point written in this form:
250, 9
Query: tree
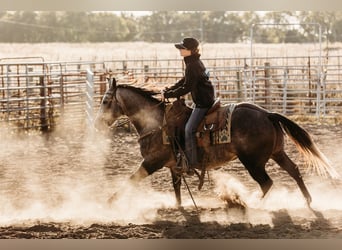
249, 19
170, 26
336, 31
52, 31
224, 27
158, 27
325, 19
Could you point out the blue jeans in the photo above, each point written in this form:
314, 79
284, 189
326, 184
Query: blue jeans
191, 126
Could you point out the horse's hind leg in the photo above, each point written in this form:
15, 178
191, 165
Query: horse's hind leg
258, 173
287, 164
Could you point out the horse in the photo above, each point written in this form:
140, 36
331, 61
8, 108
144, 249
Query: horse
257, 135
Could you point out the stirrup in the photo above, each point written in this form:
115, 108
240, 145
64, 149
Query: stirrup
182, 165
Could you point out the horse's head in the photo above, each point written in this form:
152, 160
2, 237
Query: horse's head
110, 109
138, 104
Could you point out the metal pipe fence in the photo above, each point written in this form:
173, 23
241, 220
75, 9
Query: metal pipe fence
41, 95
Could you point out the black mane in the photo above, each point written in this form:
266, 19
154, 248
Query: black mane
149, 94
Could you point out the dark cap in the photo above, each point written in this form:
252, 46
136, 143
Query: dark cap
188, 43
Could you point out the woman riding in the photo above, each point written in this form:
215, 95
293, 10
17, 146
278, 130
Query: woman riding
195, 81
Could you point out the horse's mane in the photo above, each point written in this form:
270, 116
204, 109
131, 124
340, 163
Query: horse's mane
149, 94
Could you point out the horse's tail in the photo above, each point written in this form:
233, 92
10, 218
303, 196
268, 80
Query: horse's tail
314, 157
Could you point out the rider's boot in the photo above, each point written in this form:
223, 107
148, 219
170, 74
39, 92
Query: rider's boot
183, 165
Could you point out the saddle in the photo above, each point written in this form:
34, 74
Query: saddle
215, 126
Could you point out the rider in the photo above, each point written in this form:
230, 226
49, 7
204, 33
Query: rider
195, 81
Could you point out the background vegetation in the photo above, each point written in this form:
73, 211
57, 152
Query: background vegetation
169, 26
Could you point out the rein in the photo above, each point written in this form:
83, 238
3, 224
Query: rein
147, 134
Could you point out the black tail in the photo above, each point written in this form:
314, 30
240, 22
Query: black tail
314, 157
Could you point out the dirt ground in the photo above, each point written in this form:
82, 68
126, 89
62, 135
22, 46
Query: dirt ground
56, 186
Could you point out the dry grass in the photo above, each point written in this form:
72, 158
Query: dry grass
312, 119
143, 50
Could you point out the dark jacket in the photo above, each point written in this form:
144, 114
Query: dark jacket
196, 81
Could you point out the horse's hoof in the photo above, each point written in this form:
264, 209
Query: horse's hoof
234, 201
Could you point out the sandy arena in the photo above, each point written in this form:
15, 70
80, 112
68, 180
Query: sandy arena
57, 186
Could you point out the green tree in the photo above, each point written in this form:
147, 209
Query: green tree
158, 27
170, 26
325, 19
249, 19
51, 30
336, 31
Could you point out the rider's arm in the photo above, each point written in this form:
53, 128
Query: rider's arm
184, 86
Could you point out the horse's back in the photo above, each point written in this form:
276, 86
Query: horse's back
251, 106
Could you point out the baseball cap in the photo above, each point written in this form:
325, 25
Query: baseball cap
188, 43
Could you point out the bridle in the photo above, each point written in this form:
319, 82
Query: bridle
109, 97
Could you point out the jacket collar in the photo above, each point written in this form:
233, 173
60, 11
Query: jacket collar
191, 58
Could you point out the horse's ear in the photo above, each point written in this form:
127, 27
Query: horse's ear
114, 82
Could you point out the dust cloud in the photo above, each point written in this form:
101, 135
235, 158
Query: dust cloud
68, 175
61, 177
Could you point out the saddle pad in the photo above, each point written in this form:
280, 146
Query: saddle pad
223, 135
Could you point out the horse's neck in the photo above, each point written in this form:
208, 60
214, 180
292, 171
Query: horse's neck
146, 119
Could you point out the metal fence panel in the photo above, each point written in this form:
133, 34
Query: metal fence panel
38, 94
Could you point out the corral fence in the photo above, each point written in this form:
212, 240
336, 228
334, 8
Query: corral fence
39, 94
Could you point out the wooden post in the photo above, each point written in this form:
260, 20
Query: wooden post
61, 88
268, 99
103, 85
146, 68
238, 85
43, 118
310, 86
124, 66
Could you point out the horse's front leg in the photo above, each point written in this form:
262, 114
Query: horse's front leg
138, 175
133, 180
176, 182
146, 168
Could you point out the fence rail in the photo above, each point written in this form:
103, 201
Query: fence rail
39, 94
